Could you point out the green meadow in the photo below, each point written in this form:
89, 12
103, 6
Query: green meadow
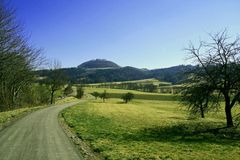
150, 129
142, 81
117, 93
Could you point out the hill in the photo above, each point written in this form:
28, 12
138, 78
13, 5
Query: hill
99, 71
98, 64
174, 74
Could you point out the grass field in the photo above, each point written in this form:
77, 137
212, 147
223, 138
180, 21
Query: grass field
142, 81
117, 93
145, 129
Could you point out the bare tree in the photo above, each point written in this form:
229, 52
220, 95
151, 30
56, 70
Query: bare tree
218, 68
56, 78
17, 58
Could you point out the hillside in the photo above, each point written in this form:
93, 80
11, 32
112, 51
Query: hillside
99, 71
174, 74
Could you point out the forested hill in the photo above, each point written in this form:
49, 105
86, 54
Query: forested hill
98, 63
98, 72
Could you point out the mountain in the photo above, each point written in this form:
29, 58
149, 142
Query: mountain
99, 71
175, 74
113, 75
98, 64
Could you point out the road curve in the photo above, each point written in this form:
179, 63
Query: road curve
38, 136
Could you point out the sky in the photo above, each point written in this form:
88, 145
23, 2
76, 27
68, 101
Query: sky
140, 33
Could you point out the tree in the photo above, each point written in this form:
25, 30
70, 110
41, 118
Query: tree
95, 94
128, 97
217, 72
199, 99
104, 96
34, 94
149, 88
80, 92
18, 59
68, 90
56, 79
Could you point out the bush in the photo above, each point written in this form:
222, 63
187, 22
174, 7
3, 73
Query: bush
68, 90
127, 97
34, 94
104, 96
80, 92
95, 94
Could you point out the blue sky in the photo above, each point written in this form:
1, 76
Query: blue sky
140, 33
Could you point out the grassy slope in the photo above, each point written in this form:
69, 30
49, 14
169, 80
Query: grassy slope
117, 93
142, 81
90, 90
148, 130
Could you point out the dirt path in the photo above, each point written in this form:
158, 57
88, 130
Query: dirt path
38, 136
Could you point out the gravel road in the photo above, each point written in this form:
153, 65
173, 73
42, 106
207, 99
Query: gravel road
38, 136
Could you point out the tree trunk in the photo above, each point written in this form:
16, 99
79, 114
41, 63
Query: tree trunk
52, 97
202, 112
228, 112
229, 116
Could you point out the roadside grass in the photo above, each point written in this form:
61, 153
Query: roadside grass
146, 129
11, 115
8, 116
66, 100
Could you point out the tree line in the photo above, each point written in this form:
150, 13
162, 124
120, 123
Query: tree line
18, 62
130, 86
18, 59
127, 97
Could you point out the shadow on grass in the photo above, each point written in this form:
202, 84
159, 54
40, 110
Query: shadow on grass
121, 102
188, 133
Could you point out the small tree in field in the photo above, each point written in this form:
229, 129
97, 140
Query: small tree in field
80, 92
95, 94
104, 96
199, 99
127, 97
217, 74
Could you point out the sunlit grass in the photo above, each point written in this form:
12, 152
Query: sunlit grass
117, 93
149, 130
142, 81
66, 100
10, 115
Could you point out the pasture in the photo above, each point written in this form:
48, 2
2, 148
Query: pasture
149, 129
117, 93
147, 85
142, 81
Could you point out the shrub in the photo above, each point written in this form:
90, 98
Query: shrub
95, 94
80, 92
68, 90
128, 97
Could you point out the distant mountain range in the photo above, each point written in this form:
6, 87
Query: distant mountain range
100, 70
